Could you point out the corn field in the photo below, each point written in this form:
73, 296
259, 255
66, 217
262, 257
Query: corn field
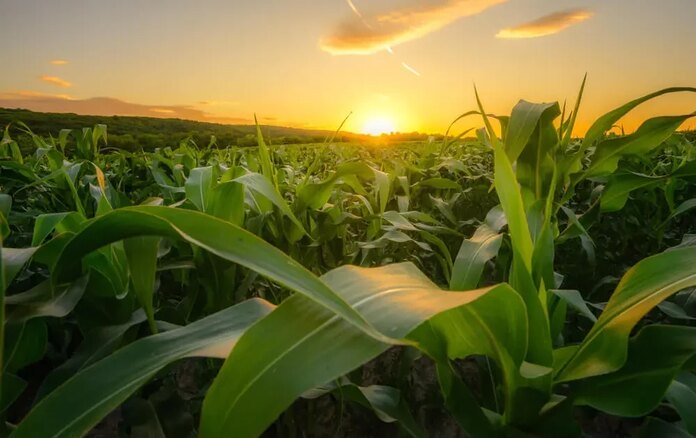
537, 279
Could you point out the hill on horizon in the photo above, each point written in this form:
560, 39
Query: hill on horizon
131, 132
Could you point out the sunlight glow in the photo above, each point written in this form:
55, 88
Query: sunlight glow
379, 126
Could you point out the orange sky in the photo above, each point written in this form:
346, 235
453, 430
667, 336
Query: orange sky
405, 65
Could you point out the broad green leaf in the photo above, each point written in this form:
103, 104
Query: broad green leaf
682, 396
472, 257
238, 246
58, 306
141, 253
510, 197
14, 259
263, 375
655, 357
574, 299
523, 121
260, 184
439, 183
620, 186
106, 384
25, 344
97, 344
648, 136
314, 196
536, 165
227, 198
199, 185
643, 287
605, 123
685, 206
45, 224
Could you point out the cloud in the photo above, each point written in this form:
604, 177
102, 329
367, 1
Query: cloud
58, 62
410, 69
107, 106
365, 34
547, 25
55, 80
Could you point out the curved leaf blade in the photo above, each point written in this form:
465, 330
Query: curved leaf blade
107, 383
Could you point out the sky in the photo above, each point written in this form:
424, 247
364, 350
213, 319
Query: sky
401, 65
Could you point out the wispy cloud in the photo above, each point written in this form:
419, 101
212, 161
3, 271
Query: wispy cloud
410, 69
107, 106
547, 25
58, 62
365, 34
55, 80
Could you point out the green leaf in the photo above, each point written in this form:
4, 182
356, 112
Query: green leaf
267, 168
643, 287
81, 402
97, 344
199, 184
574, 299
685, 206
439, 183
682, 396
14, 259
45, 224
312, 345
655, 356
141, 253
58, 306
227, 198
648, 136
510, 197
261, 185
607, 121
25, 344
5, 204
472, 257
620, 186
238, 246
523, 121
314, 196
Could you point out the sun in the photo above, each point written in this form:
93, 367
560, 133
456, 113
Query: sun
378, 126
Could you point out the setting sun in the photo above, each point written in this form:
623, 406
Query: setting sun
378, 126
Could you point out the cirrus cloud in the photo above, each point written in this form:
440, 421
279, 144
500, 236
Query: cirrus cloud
55, 80
58, 62
365, 34
546, 25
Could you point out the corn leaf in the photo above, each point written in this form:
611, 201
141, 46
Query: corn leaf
312, 345
106, 384
643, 287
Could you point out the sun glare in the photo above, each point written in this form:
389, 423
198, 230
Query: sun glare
379, 126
